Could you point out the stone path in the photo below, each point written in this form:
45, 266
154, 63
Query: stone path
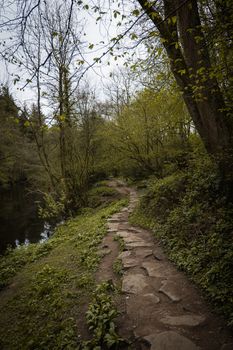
162, 307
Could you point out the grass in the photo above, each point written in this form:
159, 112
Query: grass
100, 194
101, 316
120, 242
118, 267
46, 286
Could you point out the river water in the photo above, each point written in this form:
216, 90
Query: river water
19, 221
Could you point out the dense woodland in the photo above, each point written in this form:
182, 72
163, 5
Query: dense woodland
165, 123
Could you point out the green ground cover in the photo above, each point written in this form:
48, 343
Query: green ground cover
184, 210
46, 286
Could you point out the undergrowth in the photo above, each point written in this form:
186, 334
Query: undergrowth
100, 194
49, 284
100, 319
118, 267
194, 222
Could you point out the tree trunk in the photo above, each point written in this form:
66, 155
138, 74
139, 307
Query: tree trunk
184, 42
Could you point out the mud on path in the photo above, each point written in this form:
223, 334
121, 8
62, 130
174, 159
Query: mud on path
160, 309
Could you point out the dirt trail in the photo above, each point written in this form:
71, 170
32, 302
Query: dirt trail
159, 306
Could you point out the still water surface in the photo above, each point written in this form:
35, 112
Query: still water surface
19, 221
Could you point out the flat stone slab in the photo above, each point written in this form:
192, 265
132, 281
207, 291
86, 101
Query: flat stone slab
152, 298
124, 254
129, 262
114, 220
129, 237
158, 255
124, 210
123, 227
127, 234
134, 283
136, 230
143, 253
170, 341
117, 216
184, 320
112, 226
171, 290
154, 269
138, 244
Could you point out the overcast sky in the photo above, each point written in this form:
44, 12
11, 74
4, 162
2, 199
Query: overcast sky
97, 76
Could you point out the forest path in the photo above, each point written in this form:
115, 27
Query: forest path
158, 304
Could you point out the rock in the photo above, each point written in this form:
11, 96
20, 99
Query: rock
129, 262
121, 218
134, 283
124, 254
171, 290
154, 269
184, 320
158, 255
133, 239
153, 298
124, 210
127, 234
129, 237
136, 230
112, 226
143, 253
170, 341
227, 346
112, 220
138, 244
117, 216
112, 230
124, 226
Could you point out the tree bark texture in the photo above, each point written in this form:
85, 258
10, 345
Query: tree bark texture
183, 39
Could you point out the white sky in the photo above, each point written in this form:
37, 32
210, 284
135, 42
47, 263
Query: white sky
99, 75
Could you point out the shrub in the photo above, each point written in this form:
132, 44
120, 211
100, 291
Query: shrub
163, 195
52, 209
189, 215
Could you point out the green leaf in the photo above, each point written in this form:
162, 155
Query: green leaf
136, 12
201, 70
198, 39
163, 40
182, 71
173, 19
153, 34
133, 36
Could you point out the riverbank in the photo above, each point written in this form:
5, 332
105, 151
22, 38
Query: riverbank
92, 284
46, 287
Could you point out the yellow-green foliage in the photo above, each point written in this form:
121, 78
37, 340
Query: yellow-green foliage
163, 195
99, 194
52, 209
51, 281
147, 134
100, 319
